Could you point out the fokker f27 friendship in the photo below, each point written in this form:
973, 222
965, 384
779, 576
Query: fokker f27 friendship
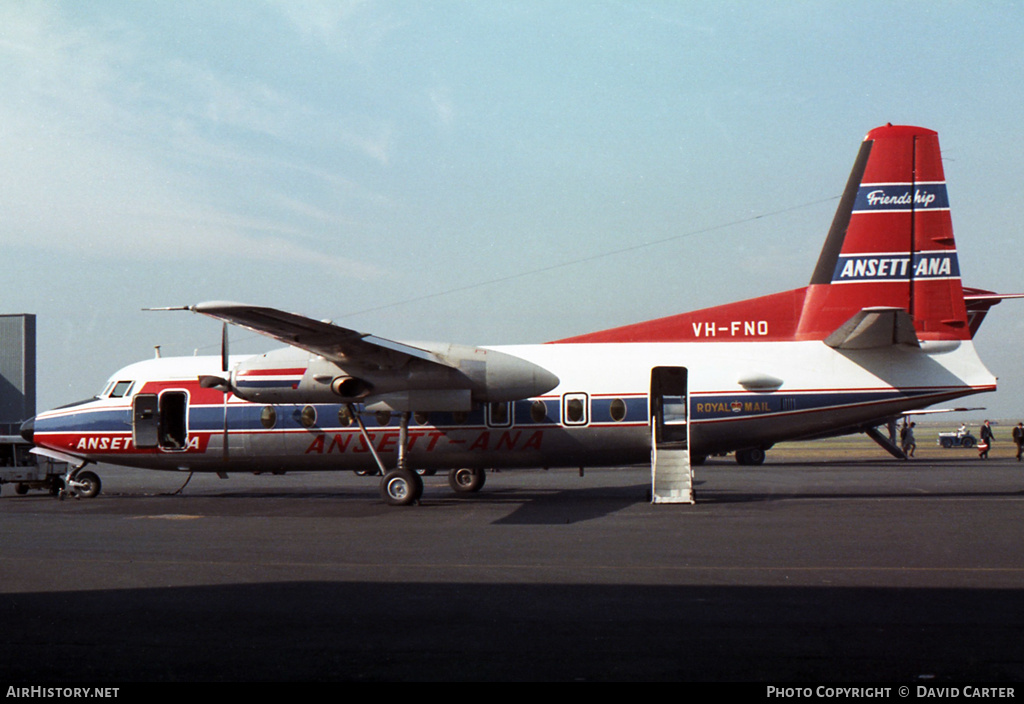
883, 328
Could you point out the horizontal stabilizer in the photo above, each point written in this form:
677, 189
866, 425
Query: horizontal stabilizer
978, 301
927, 411
875, 327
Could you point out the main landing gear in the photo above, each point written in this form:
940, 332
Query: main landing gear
399, 486
752, 455
402, 486
466, 480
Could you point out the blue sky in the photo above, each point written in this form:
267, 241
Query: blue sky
478, 172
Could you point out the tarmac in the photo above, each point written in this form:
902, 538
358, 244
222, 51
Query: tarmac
800, 570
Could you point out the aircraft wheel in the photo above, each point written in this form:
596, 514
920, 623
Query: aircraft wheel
466, 480
426, 472
401, 487
91, 485
753, 455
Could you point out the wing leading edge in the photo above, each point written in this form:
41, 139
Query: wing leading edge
384, 374
333, 342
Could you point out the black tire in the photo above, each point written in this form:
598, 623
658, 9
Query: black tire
92, 485
466, 480
750, 456
401, 487
20, 489
968, 442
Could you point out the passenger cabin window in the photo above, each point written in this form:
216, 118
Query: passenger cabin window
574, 409
538, 411
617, 410
268, 417
121, 389
498, 414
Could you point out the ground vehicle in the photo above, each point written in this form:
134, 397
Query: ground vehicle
27, 471
957, 439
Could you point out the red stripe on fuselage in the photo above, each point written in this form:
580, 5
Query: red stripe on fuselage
196, 393
272, 372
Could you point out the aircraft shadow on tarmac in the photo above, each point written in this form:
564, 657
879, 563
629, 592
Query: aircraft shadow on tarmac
526, 506
569, 505
575, 504
372, 631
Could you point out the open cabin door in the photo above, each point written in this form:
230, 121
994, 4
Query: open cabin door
671, 474
160, 421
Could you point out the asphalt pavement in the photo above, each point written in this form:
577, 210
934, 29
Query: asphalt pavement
860, 570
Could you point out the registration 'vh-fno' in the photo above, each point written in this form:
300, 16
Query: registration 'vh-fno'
884, 327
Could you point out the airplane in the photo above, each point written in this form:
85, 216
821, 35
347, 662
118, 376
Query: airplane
883, 328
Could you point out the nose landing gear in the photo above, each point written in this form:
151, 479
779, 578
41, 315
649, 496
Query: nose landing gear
80, 484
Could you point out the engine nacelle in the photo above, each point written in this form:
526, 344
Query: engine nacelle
448, 378
348, 387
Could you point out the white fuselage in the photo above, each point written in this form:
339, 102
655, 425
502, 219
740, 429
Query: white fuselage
739, 395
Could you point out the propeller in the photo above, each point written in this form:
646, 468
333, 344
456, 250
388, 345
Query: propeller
227, 381
224, 347
222, 382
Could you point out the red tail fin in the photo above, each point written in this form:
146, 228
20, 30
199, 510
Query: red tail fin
888, 272
891, 243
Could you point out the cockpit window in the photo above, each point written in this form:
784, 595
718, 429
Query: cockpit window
121, 389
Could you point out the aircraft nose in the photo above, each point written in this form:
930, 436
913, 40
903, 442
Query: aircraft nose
28, 429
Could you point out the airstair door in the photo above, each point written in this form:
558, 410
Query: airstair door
671, 474
145, 421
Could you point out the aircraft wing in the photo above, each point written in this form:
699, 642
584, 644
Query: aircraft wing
384, 374
330, 341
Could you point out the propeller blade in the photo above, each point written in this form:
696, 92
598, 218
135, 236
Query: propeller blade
224, 348
225, 449
211, 381
227, 382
